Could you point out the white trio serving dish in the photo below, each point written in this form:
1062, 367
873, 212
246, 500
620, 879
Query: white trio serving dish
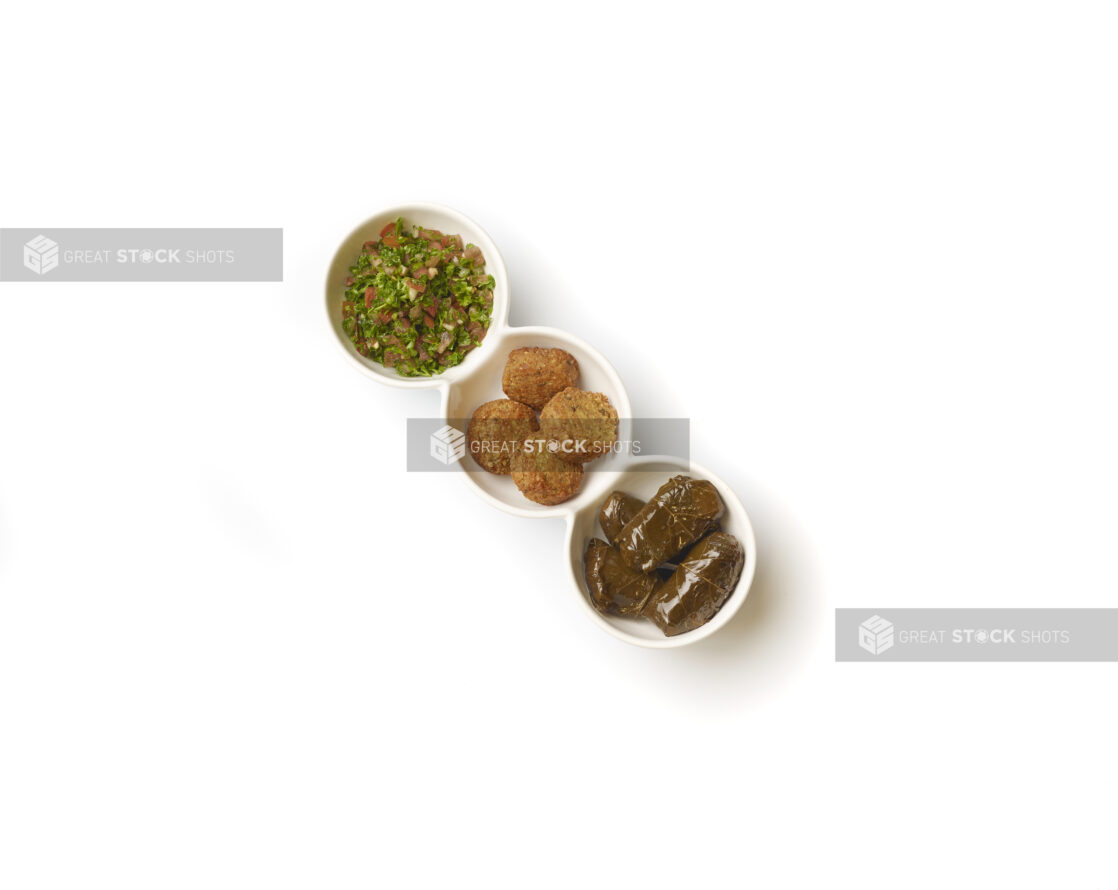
478, 379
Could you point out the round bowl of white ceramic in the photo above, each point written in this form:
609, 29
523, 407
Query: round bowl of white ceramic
641, 478
483, 384
478, 380
430, 216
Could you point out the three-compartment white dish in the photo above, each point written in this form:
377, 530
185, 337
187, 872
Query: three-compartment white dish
477, 379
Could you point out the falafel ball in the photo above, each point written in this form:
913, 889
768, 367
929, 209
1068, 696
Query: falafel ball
541, 476
495, 432
583, 425
533, 374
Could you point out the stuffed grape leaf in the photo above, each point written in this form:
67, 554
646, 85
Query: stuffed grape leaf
615, 589
699, 585
681, 512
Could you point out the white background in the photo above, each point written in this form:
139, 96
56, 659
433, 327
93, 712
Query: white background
868, 248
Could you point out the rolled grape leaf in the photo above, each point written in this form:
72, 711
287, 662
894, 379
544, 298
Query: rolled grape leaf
699, 586
672, 561
618, 509
681, 512
615, 589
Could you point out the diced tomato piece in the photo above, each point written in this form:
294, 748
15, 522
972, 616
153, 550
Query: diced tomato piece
391, 240
391, 227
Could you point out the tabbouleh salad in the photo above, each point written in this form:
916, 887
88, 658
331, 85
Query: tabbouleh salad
417, 300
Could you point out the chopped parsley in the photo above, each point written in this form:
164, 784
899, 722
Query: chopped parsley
417, 300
